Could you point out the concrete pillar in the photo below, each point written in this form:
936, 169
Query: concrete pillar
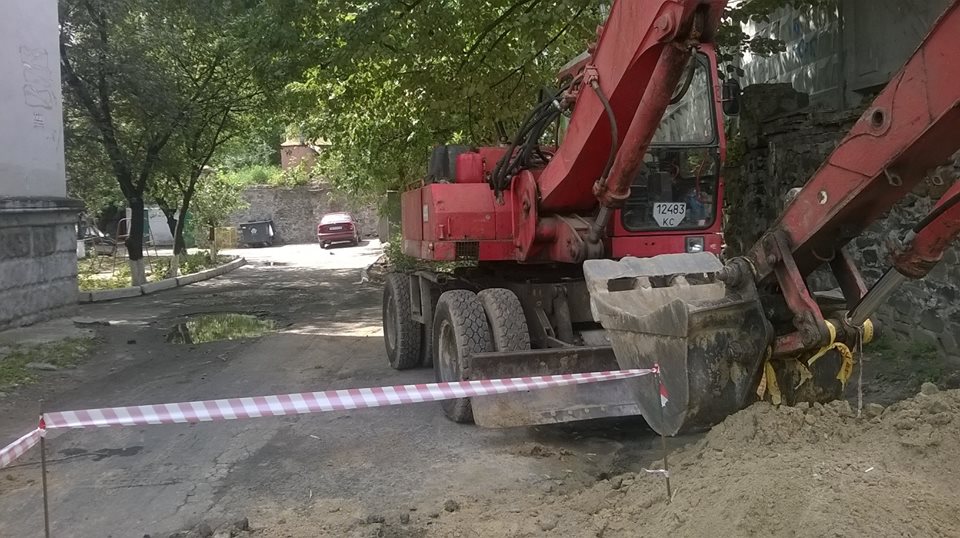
37, 222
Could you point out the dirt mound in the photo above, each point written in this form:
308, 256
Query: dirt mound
790, 471
816, 471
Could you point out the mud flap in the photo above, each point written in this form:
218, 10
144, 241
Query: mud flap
708, 340
561, 404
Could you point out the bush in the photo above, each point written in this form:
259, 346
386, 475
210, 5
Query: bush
269, 175
402, 263
257, 174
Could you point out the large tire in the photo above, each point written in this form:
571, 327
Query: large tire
426, 350
460, 330
508, 325
401, 333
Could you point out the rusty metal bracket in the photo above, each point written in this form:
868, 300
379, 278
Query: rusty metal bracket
808, 319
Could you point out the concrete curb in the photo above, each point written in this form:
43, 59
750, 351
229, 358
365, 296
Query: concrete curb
153, 287
160, 285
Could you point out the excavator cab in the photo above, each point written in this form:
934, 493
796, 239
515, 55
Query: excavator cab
676, 196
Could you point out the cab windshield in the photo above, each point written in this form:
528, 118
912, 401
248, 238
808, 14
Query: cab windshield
676, 188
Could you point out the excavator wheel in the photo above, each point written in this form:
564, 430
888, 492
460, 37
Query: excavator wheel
508, 325
460, 329
400, 333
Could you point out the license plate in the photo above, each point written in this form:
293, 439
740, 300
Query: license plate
669, 215
335, 228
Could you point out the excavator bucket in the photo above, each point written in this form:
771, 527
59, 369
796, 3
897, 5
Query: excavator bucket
561, 404
709, 341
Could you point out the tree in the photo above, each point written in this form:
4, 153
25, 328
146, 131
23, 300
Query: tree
387, 80
390, 79
214, 201
154, 88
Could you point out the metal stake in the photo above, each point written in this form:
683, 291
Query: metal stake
666, 467
663, 438
43, 477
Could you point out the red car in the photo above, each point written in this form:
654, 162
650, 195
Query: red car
337, 228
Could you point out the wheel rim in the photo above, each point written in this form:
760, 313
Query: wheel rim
447, 352
391, 322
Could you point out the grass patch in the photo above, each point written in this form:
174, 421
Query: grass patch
912, 361
62, 354
94, 274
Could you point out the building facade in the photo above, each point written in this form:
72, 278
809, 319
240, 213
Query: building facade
841, 54
38, 238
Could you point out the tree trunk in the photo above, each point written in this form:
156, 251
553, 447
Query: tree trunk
170, 214
213, 244
173, 270
179, 245
134, 242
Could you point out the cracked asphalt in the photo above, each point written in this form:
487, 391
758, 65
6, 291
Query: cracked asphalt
155, 480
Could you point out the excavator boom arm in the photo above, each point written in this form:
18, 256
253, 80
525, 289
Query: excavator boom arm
640, 56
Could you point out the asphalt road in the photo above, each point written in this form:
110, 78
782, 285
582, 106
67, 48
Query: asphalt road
158, 479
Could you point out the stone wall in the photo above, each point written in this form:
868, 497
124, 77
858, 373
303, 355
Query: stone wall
782, 144
296, 211
38, 259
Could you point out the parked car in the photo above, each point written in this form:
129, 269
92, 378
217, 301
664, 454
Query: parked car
337, 228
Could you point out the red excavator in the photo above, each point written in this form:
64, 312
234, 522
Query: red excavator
591, 241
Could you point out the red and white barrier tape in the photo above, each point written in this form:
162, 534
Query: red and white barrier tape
305, 402
14, 450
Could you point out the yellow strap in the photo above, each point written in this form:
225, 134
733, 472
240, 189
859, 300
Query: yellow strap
867, 331
762, 387
772, 386
846, 356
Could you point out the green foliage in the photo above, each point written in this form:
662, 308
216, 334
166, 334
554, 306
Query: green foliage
193, 83
736, 151
254, 174
296, 176
393, 79
65, 353
259, 174
154, 89
99, 274
402, 263
909, 361
399, 261
216, 199
389, 80
732, 41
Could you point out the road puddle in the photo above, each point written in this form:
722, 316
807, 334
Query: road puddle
202, 328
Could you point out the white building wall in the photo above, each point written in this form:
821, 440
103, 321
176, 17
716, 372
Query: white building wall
31, 124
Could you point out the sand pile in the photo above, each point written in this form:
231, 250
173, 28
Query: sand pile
811, 471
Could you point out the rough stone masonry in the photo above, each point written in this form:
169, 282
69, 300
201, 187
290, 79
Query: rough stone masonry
296, 211
783, 142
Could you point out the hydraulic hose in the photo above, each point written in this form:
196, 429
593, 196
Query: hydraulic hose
614, 134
